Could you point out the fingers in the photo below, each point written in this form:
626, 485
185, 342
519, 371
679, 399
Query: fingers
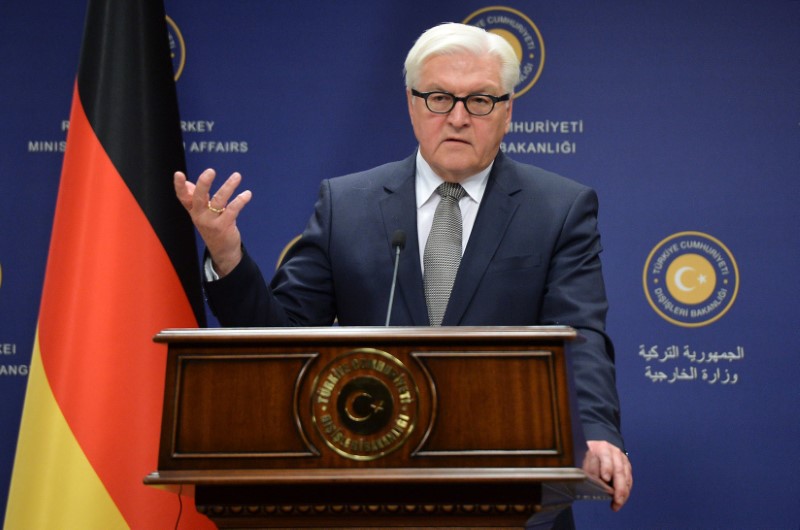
197, 200
606, 465
193, 197
200, 197
610, 464
221, 204
622, 481
240, 201
591, 464
183, 190
224, 193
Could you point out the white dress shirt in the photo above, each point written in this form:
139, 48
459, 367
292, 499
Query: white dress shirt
427, 199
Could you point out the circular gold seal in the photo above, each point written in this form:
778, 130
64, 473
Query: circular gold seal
691, 279
523, 36
364, 404
177, 47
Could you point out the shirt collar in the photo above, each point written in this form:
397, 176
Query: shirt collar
427, 181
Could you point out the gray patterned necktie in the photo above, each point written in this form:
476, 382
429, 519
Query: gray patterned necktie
443, 251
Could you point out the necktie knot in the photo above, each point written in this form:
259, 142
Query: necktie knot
451, 190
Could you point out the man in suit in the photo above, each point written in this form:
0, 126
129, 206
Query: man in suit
528, 237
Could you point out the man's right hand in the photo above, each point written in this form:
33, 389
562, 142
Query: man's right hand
215, 217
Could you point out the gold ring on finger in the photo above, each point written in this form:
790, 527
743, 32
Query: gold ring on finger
217, 211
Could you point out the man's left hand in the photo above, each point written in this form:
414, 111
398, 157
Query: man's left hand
607, 462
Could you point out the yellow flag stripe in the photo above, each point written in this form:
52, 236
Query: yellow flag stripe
51, 468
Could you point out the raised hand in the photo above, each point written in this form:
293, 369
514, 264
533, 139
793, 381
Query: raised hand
215, 216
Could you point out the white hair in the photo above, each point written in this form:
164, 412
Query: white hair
451, 38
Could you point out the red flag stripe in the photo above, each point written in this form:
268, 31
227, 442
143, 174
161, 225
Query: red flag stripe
109, 288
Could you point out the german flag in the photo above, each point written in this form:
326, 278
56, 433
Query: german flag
122, 266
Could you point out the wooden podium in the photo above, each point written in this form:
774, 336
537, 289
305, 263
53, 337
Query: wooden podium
373, 427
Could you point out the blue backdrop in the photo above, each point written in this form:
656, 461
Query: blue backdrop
685, 116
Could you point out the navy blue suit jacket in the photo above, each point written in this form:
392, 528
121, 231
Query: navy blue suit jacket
532, 259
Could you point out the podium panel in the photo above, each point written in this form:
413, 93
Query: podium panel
372, 427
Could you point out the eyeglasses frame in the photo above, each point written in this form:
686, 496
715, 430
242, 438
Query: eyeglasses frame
456, 99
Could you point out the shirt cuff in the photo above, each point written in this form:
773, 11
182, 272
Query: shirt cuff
208, 269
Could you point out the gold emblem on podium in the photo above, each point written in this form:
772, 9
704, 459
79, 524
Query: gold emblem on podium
364, 404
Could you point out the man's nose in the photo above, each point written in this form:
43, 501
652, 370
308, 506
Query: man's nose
459, 116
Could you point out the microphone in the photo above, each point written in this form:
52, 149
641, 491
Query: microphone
398, 243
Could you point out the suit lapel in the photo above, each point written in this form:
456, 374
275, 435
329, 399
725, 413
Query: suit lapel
496, 210
398, 209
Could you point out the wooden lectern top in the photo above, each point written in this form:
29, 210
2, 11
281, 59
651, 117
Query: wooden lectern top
397, 415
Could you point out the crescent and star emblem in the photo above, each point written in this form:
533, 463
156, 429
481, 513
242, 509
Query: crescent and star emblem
355, 403
679, 282
364, 404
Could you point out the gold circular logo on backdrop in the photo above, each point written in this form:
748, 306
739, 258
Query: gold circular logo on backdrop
523, 36
177, 47
364, 404
691, 279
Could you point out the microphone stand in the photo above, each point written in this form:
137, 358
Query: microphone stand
398, 242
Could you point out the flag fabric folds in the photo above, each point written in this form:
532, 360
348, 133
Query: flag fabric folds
122, 265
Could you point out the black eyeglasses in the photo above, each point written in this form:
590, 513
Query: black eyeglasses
443, 102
